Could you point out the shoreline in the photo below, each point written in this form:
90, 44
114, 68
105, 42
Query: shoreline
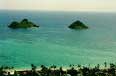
79, 70
64, 68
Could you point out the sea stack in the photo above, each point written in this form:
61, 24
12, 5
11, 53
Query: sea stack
78, 25
23, 24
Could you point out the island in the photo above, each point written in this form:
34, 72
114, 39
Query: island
78, 25
23, 24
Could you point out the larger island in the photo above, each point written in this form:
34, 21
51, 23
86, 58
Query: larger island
23, 24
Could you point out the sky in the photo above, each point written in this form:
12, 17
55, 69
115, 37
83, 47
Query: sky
66, 5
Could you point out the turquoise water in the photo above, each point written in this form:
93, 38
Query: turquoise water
54, 43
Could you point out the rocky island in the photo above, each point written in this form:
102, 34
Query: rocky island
78, 25
23, 24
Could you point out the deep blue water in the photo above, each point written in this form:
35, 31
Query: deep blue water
54, 42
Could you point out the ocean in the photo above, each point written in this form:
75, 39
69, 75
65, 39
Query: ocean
54, 43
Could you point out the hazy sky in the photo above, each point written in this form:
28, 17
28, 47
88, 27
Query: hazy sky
69, 5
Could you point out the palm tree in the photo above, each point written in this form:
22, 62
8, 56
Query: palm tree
53, 66
105, 64
33, 67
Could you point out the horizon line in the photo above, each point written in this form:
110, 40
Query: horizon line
86, 10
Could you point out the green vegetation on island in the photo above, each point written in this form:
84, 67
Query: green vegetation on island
23, 24
72, 70
78, 25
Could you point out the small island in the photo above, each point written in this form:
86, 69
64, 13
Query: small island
23, 24
78, 25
